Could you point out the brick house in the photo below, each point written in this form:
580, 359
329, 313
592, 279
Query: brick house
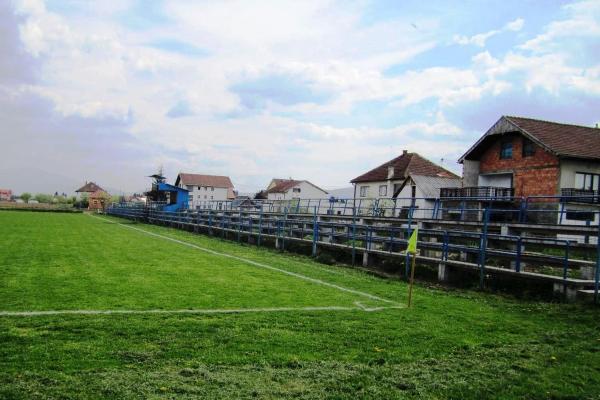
98, 198
524, 157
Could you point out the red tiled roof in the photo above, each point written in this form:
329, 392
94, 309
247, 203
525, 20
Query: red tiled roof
283, 185
89, 187
563, 140
204, 180
405, 165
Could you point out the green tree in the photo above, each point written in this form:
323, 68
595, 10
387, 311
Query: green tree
25, 197
43, 198
84, 202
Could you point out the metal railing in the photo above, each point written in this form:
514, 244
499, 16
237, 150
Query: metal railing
580, 196
554, 259
483, 192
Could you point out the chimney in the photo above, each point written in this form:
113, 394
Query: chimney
404, 152
390, 173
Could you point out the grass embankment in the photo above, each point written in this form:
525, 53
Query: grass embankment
452, 344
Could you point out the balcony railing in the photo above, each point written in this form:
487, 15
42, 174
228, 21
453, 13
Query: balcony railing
479, 192
580, 195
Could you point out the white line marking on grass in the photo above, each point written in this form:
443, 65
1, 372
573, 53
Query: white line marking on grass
256, 264
359, 307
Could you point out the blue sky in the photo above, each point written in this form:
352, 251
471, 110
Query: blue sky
317, 90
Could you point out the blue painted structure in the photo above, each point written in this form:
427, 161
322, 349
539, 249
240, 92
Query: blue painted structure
178, 198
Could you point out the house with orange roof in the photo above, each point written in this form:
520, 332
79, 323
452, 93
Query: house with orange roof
290, 189
409, 180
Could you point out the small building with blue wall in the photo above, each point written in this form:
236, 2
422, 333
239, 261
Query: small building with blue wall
166, 197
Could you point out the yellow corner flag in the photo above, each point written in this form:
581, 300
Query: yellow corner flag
412, 242
412, 249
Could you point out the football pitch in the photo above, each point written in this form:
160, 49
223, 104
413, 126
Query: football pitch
99, 307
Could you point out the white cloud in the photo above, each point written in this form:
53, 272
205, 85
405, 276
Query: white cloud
480, 38
515, 25
94, 66
583, 21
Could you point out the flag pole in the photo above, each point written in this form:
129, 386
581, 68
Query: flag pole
412, 250
412, 278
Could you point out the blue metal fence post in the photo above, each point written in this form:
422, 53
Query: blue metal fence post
566, 262
482, 247
315, 233
260, 217
354, 238
521, 210
239, 230
278, 231
223, 224
518, 260
597, 276
445, 246
284, 229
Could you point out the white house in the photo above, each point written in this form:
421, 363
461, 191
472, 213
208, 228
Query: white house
405, 180
204, 188
286, 189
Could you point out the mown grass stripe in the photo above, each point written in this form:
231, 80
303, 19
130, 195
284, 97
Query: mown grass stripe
255, 263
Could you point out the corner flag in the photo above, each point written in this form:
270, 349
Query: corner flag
412, 249
412, 242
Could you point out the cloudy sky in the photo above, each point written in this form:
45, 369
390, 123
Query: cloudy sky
318, 90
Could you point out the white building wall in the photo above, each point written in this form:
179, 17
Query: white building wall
200, 194
424, 208
373, 188
568, 168
307, 191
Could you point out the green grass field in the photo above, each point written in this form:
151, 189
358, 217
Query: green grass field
95, 307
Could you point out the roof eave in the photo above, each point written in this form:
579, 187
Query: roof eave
517, 127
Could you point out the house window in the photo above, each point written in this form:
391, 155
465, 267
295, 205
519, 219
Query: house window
585, 181
364, 191
212, 189
506, 150
296, 190
211, 197
199, 187
191, 198
190, 187
382, 190
528, 148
